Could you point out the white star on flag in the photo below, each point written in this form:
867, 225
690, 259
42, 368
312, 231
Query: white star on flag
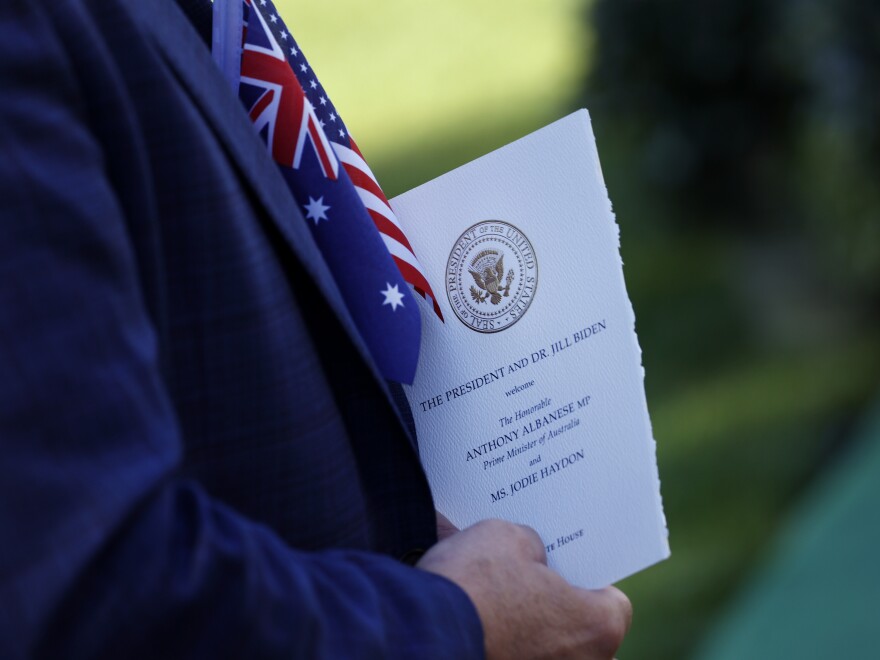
393, 297
274, 18
316, 209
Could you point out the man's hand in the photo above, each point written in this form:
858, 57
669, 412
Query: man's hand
528, 610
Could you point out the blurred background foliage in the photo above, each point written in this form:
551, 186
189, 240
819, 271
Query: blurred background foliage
740, 141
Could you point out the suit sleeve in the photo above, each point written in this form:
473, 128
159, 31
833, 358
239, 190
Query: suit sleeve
106, 552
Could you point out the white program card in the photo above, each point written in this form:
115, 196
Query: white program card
529, 400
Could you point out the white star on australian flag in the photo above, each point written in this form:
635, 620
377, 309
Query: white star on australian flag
393, 297
316, 209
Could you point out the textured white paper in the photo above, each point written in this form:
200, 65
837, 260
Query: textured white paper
587, 480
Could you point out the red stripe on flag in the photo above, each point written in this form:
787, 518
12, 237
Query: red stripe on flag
369, 183
326, 165
365, 181
261, 104
385, 226
418, 280
412, 275
355, 148
291, 104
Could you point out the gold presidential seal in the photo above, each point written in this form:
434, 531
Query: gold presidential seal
491, 276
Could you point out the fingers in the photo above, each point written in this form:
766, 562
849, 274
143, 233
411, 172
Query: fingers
534, 545
521, 538
613, 609
526, 608
623, 606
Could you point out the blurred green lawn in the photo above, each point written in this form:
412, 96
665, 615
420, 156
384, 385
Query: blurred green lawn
741, 429
425, 86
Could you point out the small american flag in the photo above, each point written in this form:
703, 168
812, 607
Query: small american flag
348, 214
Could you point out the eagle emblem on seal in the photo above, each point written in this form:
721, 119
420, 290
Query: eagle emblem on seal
487, 269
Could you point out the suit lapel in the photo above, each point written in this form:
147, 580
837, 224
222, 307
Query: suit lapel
190, 60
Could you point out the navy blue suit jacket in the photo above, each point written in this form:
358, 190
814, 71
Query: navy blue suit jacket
197, 457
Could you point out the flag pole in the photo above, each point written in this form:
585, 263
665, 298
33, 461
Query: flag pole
226, 39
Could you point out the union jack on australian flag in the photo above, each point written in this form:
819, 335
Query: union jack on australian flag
349, 216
